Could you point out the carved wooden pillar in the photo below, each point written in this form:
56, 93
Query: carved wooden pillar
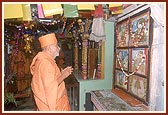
76, 55
85, 37
84, 56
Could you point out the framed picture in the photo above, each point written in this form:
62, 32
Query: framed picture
138, 86
139, 60
120, 79
122, 56
139, 30
122, 33
132, 67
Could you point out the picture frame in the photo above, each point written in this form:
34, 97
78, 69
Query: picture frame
138, 86
132, 66
139, 57
122, 34
122, 57
139, 30
120, 79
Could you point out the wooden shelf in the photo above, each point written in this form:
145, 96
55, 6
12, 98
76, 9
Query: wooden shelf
129, 99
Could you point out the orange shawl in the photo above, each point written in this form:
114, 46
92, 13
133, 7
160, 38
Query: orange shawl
48, 95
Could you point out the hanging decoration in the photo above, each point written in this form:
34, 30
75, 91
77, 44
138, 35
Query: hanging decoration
98, 31
28, 40
85, 6
34, 11
26, 12
64, 24
81, 25
98, 11
136, 69
70, 11
13, 11
116, 8
52, 9
40, 11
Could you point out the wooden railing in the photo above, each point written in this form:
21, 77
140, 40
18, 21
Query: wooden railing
72, 87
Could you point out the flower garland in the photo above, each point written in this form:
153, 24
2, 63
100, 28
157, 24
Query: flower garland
123, 35
139, 33
136, 69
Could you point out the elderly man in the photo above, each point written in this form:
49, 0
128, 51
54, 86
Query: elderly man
48, 84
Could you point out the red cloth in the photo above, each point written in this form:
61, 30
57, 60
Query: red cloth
48, 94
98, 11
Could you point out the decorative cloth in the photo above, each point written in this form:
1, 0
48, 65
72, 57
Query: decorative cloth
40, 11
98, 30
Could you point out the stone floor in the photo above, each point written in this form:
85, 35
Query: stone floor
27, 103
23, 104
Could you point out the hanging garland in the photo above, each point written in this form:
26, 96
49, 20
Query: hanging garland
139, 32
136, 69
123, 35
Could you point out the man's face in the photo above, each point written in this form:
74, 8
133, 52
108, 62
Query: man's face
55, 50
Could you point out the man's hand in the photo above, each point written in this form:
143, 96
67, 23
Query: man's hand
67, 71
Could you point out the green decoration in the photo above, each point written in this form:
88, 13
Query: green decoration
70, 11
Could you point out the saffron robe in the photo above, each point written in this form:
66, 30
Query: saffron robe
49, 95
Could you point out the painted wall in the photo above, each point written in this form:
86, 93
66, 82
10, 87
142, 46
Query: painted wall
158, 59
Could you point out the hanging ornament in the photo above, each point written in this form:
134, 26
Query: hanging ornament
64, 24
81, 25
40, 11
28, 40
98, 12
70, 10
